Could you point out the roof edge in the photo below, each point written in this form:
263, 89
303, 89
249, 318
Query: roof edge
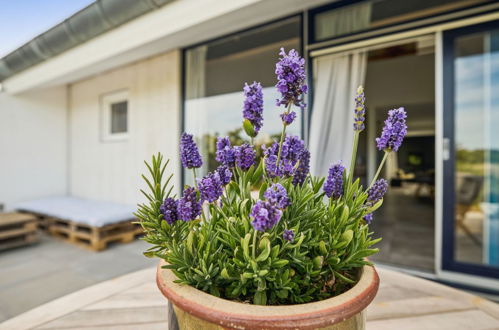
95, 19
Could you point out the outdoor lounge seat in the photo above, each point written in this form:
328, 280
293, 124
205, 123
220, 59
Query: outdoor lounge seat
90, 223
468, 189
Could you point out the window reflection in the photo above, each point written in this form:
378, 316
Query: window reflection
476, 68
215, 74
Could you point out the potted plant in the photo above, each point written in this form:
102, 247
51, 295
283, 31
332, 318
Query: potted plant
291, 255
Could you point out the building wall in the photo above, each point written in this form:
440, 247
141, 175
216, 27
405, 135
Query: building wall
111, 170
33, 149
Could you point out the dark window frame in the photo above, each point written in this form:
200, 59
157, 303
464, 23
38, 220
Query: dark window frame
448, 262
328, 42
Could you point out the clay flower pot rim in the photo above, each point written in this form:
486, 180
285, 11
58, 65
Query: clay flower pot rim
238, 315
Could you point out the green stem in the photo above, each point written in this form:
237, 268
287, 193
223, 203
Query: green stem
194, 174
197, 188
354, 156
221, 211
379, 169
283, 134
254, 243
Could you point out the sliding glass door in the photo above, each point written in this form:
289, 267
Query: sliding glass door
394, 74
471, 161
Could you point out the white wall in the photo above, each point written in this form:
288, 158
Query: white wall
33, 147
111, 170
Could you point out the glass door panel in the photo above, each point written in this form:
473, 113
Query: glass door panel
471, 92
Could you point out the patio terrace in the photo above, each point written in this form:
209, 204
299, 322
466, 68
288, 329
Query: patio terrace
132, 301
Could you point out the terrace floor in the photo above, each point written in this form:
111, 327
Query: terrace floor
132, 301
39, 273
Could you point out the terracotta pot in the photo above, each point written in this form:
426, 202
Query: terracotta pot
196, 309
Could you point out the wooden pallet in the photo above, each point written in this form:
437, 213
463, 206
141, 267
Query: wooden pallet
94, 238
17, 229
43, 220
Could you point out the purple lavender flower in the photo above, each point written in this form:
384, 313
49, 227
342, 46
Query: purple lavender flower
360, 110
270, 154
377, 191
169, 210
225, 152
334, 183
288, 117
245, 156
225, 174
368, 218
394, 130
253, 105
265, 215
292, 149
210, 187
291, 78
189, 207
189, 153
303, 168
277, 195
289, 235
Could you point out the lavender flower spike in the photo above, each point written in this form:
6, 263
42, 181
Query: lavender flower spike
394, 131
368, 218
210, 187
253, 105
189, 153
334, 183
189, 207
225, 154
265, 215
377, 191
288, 117
277, 195
292, 149
169, 210
289, 235
225, 174
303, 168
245, 156
291, 78
360, 110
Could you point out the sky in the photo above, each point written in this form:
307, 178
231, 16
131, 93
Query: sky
22, 20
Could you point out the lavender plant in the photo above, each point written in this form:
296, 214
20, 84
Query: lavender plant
299, 238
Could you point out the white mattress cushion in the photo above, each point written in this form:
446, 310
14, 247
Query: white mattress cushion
85, 211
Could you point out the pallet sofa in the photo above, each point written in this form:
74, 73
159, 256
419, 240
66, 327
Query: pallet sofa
91, 224
17, 229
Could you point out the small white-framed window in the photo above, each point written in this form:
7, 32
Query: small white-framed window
115, 116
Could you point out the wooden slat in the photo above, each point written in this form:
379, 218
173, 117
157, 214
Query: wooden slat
416, 306
392, 293
14, 218
130, 300
27, 228
109, 317
471, 319
22, 240
141, 326
148, 287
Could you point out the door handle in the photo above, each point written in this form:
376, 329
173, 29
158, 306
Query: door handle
446, 149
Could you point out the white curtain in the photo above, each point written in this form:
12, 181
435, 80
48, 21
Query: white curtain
343, 20
196, 112
336, 78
